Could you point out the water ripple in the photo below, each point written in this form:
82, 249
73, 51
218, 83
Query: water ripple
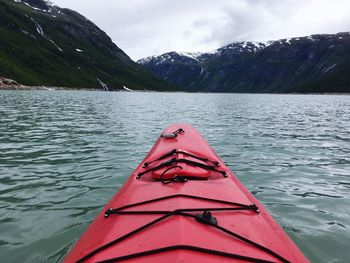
64, 154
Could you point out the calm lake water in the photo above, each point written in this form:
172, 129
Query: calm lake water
63, 154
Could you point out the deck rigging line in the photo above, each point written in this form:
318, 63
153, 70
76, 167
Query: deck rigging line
206, 218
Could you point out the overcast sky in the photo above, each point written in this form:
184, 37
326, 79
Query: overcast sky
152, 27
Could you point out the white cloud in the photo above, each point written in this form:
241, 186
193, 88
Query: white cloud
143, 28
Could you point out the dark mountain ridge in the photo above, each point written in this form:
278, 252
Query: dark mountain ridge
316, 63
43, 44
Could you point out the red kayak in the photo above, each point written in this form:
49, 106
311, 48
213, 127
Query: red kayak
182, 204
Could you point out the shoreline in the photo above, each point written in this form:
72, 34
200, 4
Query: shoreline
48, 88
51, 88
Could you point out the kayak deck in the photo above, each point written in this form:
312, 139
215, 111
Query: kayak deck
194, 210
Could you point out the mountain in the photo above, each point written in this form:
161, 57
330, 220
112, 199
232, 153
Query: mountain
43, 44
317, 63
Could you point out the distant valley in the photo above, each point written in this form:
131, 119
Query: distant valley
312, 64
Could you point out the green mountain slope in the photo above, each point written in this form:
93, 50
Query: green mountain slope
42, 44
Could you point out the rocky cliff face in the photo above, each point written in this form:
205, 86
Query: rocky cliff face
43, 44
317, 63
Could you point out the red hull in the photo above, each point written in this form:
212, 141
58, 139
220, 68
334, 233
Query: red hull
179, 237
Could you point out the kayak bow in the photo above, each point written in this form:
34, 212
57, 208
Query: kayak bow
182, 204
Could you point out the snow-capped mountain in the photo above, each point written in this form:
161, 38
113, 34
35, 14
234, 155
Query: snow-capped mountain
316, 63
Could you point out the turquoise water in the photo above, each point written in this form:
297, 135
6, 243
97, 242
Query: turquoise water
65, 153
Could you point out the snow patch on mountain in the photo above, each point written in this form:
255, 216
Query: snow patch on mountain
103, 85
60, 49
246, 46
267, 43
127, 89
170, 57
193, 55
163, 58
213, 52
329, 68
38, 27
47, 6
40, 31
200, 74
312, 38
145, 60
